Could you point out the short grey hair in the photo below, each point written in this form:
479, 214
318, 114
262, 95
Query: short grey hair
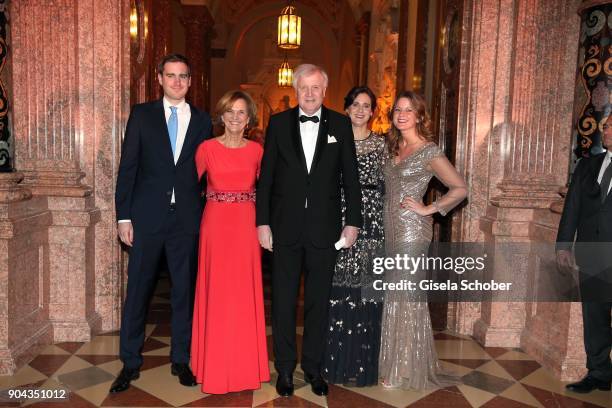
307, 70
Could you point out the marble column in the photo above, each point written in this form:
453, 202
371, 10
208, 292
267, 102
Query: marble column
482, 111
24, 266
198, 30
48, 150
553, 330
531, 150
513, 142
71, 61
161, 14
560, 346
24, 275
103, 95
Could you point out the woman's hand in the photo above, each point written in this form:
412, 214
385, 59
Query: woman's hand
418, 207
264, 235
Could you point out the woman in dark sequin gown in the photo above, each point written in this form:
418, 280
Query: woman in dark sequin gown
408, 356
353, 337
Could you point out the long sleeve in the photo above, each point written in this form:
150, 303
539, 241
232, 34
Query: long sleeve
382, 154
350, 178
128, 167
448, 175
266, 176
571, 208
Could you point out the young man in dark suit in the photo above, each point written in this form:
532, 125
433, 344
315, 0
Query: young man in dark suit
588, 215
309, 156
158, 204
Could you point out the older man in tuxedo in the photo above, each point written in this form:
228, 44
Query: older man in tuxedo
587, 215
309, 156
159, 206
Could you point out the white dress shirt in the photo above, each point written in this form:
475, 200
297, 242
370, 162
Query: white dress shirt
183, 112
604, 165
309, 132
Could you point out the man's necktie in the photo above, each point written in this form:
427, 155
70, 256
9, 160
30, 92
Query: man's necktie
605, 182
304, 118
173, 128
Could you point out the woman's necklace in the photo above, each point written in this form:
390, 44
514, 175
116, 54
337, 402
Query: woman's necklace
358, 139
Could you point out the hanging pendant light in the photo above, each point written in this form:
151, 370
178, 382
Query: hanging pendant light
285, 74
134, 23
289, 29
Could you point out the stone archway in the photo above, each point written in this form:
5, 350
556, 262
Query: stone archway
321, 44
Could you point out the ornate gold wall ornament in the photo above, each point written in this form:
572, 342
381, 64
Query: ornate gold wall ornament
5, 135
594, 71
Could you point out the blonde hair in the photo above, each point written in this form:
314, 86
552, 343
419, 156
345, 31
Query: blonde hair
423, 126
227, 100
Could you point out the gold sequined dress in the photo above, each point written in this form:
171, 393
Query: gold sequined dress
408, 357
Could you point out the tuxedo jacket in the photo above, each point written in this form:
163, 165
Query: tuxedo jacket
585, 217
147, 173
285, 185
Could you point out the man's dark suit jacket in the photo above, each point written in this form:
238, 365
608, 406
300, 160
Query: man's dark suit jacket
285, 184
147, 173
587, 218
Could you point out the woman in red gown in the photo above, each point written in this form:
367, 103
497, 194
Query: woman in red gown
228, 346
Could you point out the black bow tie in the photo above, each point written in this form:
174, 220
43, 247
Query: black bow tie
304, 118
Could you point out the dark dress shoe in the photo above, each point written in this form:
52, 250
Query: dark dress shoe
588, 384
284, 385
122, 382
317, 384
184, 374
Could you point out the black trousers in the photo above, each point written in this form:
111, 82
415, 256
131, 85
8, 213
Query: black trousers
288, 262
596, 293
181, 253
598, 338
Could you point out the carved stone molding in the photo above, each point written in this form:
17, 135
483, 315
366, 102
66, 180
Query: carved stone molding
56, 178
10, 188
532, 193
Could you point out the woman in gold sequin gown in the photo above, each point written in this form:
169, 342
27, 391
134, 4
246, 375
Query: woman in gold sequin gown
408, 357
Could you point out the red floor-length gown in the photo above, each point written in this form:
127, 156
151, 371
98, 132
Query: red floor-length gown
228, 346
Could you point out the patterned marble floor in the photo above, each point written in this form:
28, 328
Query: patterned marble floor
491, 376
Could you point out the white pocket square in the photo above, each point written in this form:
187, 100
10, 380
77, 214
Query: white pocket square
331, 139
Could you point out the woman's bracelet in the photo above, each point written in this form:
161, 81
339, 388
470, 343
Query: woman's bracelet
437, 207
